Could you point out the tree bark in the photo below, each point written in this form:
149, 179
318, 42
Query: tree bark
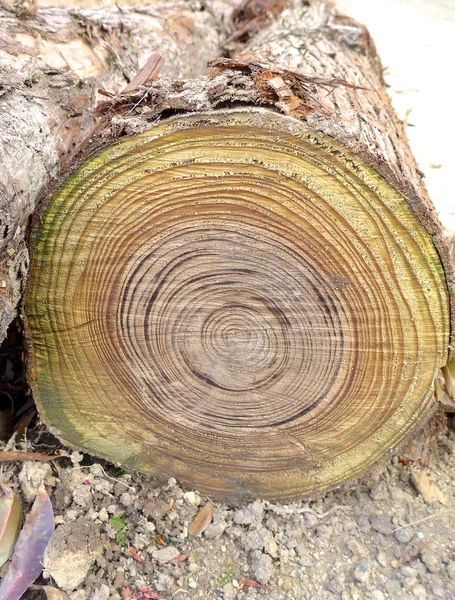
51, 66
249, 256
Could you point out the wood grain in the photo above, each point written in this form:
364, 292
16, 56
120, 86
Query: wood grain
236, 301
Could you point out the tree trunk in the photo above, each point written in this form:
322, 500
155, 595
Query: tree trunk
243, 283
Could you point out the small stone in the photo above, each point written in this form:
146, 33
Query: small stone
229, 592
430, 560
272, 524
438, 591
166, 555
338, 583
409, 572
102, 593
155, 509
377, 595
126, 499
382, 559
256, 539
357, 549
31, 477
364, 524
404, 536
380, 492
164, 583
78, 595
253, 513
190, 498
419, 592
310, 520
271, 547
215, 530
362, 573
262, 568
192, 583
82, 496
381, 524
72, 550
103, 516
451, 570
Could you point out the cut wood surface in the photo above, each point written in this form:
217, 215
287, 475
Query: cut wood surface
51, 66
253, 293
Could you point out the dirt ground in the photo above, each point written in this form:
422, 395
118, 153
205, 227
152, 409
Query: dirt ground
120, 535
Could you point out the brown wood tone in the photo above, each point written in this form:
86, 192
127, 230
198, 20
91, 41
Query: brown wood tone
51, 64
243, 283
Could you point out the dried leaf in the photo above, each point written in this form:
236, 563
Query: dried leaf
181, 558
27, 562
6, 456
145, 593
10, 521
148, 73
247, 582
53, 593
202, 520
429, 490
133, 553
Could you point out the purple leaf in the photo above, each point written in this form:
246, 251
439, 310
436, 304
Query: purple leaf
27, 562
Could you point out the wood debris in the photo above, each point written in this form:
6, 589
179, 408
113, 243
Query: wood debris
429, 490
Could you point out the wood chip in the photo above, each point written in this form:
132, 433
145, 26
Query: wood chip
53, 593
202, 520
429, 490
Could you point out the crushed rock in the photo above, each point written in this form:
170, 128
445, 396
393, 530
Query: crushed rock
71, 552
389, 545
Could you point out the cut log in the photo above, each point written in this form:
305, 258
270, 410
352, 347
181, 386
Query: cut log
51, 65
243, 283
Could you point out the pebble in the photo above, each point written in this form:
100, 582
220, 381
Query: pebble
126, 499
215, 530
382, 559
102, 593
357, 549
229, 592
430, 560
262, 568
155, 509
404, 536
419, 592
166, 555
362, 573
310, 520
256, 539
32, 477
451, 570
377, 595
253, 513
381, 524
191, 498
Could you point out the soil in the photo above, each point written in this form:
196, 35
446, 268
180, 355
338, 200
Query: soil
122, 535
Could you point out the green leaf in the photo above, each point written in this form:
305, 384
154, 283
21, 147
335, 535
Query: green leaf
118, 524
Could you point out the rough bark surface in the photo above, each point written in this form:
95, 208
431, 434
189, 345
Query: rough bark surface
51, 65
